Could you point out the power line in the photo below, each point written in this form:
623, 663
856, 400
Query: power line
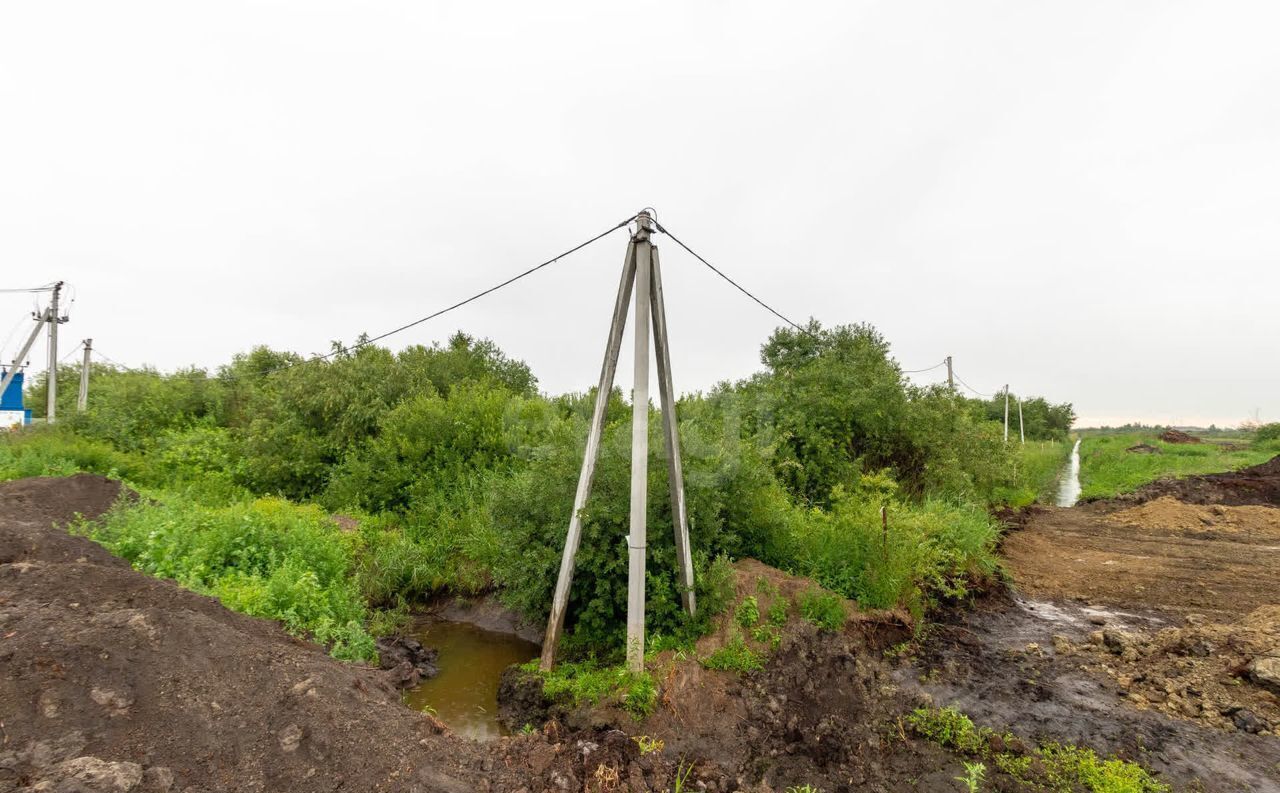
45, 288
735, 284
441, 312
971, 388
930, 369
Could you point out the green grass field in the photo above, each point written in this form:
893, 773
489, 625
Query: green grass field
1107, 470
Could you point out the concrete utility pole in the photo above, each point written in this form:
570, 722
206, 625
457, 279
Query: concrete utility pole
51, 404
641, 273
26, 348
951, 378
1022, 433
1006, 413
637, 539
83, 401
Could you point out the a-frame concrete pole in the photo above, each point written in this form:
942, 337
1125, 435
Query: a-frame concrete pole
560, 601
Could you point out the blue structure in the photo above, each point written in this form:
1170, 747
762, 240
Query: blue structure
11, 410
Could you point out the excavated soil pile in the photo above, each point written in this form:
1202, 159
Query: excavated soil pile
1258, 485
1224, 675
1178, 436
1169, 514
114, 681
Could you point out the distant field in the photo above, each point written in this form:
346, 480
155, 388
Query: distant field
1107, 469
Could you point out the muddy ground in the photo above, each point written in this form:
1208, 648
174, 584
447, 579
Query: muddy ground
1142, 625
1132, 627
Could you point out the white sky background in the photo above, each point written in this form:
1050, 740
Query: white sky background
1079, 198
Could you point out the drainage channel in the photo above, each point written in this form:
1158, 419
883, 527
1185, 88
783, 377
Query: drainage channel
464, 695
1069, 482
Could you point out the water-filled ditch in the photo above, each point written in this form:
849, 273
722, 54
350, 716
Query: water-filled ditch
464, 694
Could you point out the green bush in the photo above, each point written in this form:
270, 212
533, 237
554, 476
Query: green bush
1267, 432
266, 558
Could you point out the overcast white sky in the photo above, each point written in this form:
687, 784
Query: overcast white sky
1081, 199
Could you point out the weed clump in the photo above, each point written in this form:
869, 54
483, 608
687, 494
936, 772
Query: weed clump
735, 656
1052, 766
588, 682
824, 609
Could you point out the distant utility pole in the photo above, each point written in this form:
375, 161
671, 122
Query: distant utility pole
641, 274
83, 402
1021, 432
1006, 412
51, 405
951, 378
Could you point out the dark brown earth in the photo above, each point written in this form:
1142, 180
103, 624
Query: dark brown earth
1259, 484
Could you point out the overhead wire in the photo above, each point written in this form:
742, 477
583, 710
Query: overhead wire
46, 288
929, 369
734, 283
75, 350
971, 388
433, 315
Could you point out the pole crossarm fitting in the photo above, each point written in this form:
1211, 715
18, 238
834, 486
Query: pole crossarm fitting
641, 275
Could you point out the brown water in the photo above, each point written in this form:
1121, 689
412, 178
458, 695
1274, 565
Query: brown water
465, 693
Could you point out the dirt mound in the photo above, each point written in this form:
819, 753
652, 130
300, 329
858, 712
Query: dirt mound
1259, 484
1206, 671
30, 506
1169, 514
1178, 436
1143, 448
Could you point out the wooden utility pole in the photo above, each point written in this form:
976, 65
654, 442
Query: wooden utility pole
641, 273
83, 401
951, 378
1006, 413
51, 404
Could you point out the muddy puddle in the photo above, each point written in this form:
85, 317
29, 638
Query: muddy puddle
1069, 481
465, 693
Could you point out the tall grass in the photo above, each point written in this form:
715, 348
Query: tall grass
1037, 466
933, 549
1107, 469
